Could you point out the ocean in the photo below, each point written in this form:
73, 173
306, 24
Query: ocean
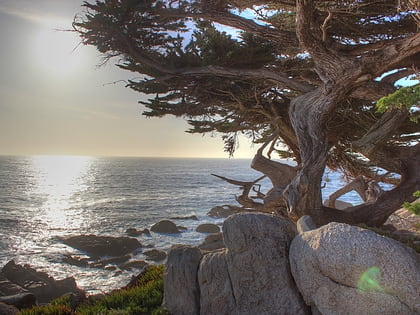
43, 198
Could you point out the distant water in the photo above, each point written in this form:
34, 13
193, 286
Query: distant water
43, 197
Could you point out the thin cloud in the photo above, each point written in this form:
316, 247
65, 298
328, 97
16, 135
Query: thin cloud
34, 16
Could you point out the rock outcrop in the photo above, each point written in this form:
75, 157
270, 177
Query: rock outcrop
251, 276
20, 301
341, 269
6, 309
44, 287
97, 246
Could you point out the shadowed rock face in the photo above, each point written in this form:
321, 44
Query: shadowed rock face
97, 246
182, 294
341, 269
22, 300
6, 309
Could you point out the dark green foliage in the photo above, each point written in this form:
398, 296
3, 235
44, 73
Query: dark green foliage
51, 309
178, 46
405, 97
145, 297
413, 207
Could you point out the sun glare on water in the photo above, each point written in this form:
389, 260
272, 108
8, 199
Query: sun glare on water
59, 179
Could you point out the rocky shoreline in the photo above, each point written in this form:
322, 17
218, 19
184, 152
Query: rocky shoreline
23, 286
269, 267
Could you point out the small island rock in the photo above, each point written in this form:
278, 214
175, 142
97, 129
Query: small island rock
165, 226
20, 301
208, 228
98, 246
190, 217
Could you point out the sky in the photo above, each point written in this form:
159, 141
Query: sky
54, 100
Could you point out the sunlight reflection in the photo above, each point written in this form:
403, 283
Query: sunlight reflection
369, 280
59, 179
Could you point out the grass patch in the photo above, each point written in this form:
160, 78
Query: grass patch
145, 297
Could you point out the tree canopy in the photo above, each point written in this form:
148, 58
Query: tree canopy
316, 81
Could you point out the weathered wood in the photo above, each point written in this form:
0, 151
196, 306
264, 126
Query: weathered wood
244, 199
358, 185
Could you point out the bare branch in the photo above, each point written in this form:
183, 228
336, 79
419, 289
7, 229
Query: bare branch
324, 26
236, 21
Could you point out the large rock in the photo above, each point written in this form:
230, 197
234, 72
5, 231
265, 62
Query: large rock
97, 246
165, 226
340, 269
20, 301
181, 289
258, 265
6, 309
216, 295
44, 287
251, 276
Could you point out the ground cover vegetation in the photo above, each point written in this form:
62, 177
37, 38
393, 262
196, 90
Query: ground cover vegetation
315, 81
143, 296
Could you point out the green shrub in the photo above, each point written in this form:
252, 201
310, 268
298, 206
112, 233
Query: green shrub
48, 310
145, 297
413, 207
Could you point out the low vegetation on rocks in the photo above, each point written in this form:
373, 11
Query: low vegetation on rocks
142, 297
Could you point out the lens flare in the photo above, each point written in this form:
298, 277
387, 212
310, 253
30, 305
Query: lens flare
369, 280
